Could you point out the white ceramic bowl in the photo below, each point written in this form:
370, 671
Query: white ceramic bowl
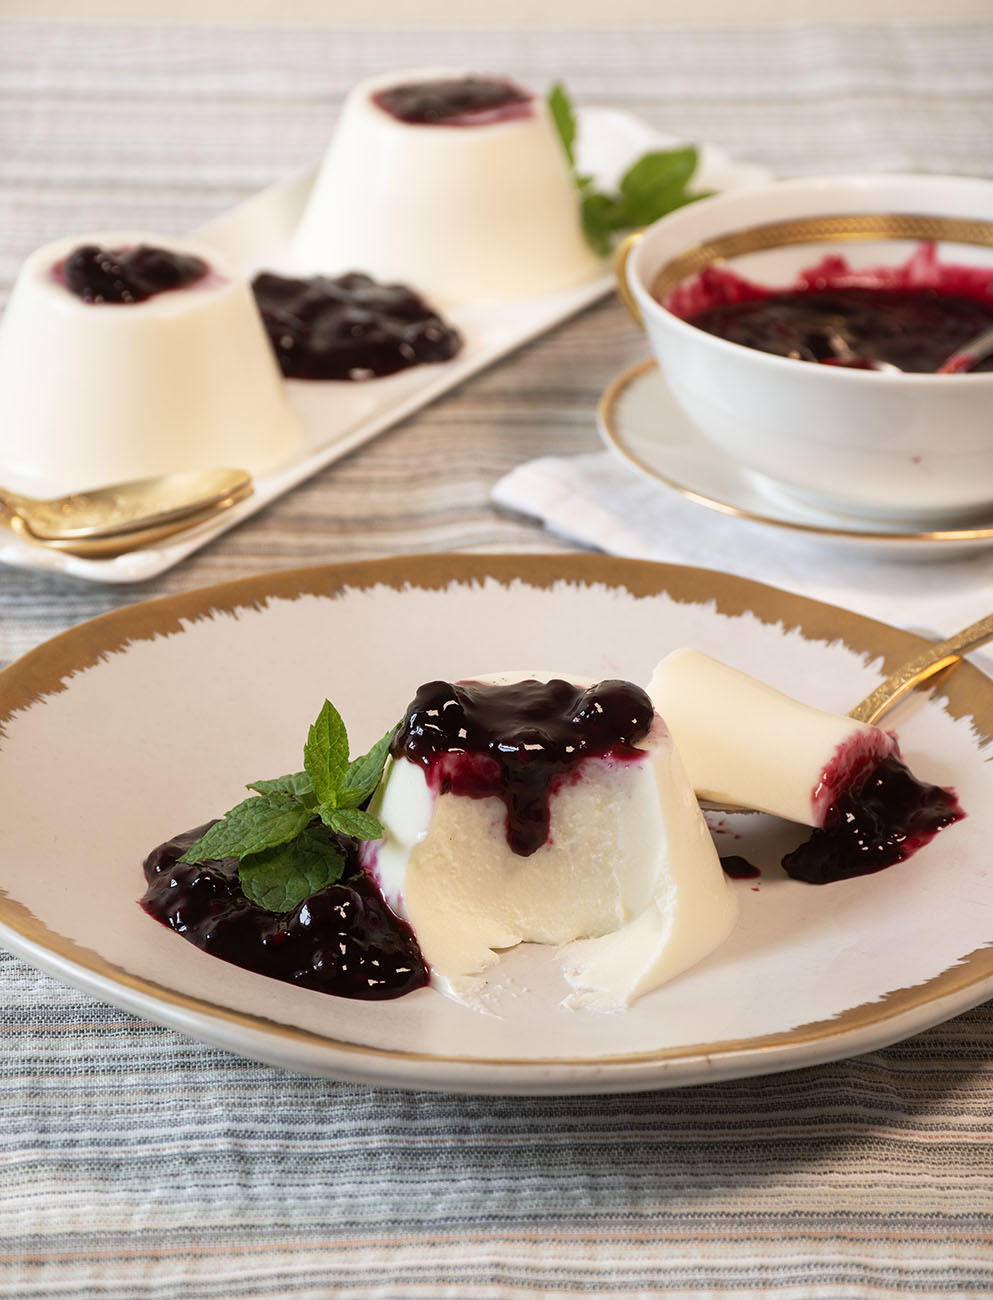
458, 213
901, 446
95, 393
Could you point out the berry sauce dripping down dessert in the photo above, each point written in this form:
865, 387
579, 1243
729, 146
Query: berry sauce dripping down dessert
343, 939
349, 326
455, 101
127, 275
520, 742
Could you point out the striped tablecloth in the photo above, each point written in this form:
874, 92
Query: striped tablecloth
138, 1165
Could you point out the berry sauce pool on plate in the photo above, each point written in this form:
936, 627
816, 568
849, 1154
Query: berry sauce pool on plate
342, 940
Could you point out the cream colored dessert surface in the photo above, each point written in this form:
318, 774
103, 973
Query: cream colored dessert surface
744, 742
458, 213
629, 870
95, 393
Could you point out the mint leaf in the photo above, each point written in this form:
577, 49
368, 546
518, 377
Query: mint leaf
285, 853
297, 784
564, 118
280, 878
364, 773
259, 823
655, 184
325, 755
600, 216
351, 821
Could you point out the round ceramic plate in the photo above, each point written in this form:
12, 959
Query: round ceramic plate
153, 718
640, 418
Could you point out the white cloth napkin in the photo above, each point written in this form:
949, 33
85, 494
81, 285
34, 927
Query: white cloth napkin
600, 501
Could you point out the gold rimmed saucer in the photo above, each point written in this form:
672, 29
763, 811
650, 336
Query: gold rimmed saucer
640, 419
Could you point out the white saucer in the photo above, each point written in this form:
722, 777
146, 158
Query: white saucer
639, 417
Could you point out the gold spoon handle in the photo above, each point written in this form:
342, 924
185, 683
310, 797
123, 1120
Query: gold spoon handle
935, 659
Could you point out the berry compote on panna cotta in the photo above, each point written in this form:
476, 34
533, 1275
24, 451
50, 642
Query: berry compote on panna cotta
747, 744
531, 808
454, 183
349, 326
455, 101
126, 275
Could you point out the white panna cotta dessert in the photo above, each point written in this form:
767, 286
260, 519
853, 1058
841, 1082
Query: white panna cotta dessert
124, 355
455, 184
522, 808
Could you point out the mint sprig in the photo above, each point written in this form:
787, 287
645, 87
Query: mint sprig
657, 183
278, 835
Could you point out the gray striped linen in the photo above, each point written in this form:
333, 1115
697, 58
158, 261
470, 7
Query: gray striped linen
136, 1164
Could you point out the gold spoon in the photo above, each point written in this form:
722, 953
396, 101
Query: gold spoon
124, 515
936, 659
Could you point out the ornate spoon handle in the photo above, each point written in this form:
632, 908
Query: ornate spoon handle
936, 659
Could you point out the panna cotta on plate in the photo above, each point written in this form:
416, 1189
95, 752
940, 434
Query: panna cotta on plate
455, 184
124, 355
520, 807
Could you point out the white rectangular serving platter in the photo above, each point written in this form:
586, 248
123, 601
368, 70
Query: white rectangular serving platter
339, 416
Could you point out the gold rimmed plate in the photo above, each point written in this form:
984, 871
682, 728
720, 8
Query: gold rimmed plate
639, 418
151, 719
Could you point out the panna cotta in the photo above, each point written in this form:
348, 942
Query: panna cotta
744, 743
126, 355
521, 808
456, 185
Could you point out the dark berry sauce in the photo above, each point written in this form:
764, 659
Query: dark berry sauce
739, 868
519, 742
342, 940
455, 101
885, 816
914, 316
349, 327
127, 275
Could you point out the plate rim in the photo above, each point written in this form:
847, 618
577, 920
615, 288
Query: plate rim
47, 670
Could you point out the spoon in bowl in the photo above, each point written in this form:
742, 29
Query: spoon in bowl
124, 515
961, 360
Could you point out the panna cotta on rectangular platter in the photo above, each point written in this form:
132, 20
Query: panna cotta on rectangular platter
523, 808
125, 355
458, 185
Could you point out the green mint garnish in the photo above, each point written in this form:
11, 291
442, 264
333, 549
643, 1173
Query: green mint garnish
279, 836
279, 879
654, 185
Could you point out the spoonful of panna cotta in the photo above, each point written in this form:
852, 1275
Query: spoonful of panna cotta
839, 774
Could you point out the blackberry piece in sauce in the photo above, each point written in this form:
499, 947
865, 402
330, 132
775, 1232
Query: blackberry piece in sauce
520, 741
127, 275
349, 326
886, 815
455, 101
342, 940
